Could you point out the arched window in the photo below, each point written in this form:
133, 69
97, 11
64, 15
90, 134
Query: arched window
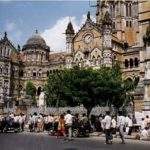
131, 62
40, 73
128, 79
76, 59
29, 72
136, 62
39, 91
129, 9
93, 57
1, 70
126, 63
21, 73
112, 9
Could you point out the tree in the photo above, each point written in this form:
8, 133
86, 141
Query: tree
112, 90
31, 91
103, 87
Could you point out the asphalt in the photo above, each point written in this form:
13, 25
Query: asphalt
42, 141
133, 136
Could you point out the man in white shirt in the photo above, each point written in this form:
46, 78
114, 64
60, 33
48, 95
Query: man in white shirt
107, 127
121, 124
144, 134
68, 125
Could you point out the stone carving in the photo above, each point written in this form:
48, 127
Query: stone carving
146, 37
147, 71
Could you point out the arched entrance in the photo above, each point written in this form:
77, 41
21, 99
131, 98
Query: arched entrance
39, 91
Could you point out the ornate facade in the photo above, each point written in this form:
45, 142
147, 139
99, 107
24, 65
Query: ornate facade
116, 37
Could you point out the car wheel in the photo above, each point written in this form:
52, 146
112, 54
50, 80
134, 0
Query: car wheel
75, 133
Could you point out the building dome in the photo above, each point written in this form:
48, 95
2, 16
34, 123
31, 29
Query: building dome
36, 40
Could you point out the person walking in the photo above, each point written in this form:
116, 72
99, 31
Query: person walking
68, 125
113, 125
61, 126
121, 125
107, 127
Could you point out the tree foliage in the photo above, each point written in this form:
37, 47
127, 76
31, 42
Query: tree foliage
89, 87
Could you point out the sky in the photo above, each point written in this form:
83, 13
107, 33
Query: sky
20, 19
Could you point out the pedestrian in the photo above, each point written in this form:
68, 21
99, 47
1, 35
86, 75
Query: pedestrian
61, 126
121, 126
113, 125
107, 127
68, 125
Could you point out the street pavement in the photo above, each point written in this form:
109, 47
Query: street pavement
42, 141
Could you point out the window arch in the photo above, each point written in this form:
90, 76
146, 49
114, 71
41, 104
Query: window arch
136, 62
126, 63
129, 9
131, 62
21, 73
39, 91
48, 73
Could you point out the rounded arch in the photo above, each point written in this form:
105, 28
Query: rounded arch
129, 78
48, 73
126, 63
39, 90
131, 62
136, 62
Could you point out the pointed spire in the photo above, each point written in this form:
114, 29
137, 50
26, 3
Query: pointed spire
88, 15
107, 19
36, 31
19, 48
5, 35
70, 29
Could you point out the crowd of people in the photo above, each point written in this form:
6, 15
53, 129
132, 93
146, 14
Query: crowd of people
65, 124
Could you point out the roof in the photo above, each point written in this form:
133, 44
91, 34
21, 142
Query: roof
115, 38
56, 56
36, 39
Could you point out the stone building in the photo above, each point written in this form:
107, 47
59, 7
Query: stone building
116, 37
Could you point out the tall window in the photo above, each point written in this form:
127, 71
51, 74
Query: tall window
129, 9
112, 10
126, 63
131, 62
136, 62
128, 23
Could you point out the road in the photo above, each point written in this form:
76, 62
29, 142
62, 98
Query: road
41, 141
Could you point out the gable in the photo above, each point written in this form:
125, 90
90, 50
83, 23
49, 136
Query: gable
88, 37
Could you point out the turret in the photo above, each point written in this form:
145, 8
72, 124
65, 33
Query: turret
69, 36
107, 46
102, 8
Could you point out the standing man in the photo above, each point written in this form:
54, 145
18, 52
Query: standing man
107, 127
121, 125
68, 125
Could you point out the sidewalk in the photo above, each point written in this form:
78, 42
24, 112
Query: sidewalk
134, 136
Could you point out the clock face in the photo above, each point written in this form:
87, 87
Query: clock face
88, 38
